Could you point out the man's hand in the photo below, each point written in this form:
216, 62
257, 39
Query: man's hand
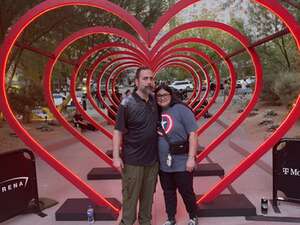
190, 164
118, 163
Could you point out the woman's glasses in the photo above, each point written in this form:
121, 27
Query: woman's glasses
162, 96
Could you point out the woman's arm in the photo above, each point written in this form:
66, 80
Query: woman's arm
193, 143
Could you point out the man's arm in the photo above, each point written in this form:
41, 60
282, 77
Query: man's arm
117, 140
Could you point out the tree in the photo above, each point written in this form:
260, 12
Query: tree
51, 29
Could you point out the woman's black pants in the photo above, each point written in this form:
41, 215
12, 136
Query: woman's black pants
183, 181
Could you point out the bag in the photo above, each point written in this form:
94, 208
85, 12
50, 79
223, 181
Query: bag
178, 148
175, 148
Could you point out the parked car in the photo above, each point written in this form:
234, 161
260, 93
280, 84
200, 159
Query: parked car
41, 113
250, 80
181, 85
58, 98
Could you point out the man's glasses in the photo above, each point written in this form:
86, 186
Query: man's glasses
162, 96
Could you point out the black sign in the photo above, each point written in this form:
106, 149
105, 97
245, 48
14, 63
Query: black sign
18, 186
286, 168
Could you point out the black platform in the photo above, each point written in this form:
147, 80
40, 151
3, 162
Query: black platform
74, 209
227, 205
103, 173
108, 173
274, 219
208, 169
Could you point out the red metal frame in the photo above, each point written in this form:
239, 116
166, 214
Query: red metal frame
148, 37
73, 94
195, 75
197, 82
84, 58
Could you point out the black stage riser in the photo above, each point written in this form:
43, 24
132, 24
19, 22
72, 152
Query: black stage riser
108, 173
75, 209
227, 205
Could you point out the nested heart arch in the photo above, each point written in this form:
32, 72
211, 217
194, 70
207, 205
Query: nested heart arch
92, 71
209, 62
117, 69
197, 82
73, 89
232, 74
148, 38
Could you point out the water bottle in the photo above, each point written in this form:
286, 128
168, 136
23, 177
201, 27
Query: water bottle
90, 215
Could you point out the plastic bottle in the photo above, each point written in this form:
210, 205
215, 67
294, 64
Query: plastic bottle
90, 215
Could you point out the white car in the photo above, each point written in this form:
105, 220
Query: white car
57, 98
182, 85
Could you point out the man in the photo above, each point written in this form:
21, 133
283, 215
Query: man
136, 130
244, 87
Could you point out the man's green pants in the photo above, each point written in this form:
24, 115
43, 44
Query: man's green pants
138, 184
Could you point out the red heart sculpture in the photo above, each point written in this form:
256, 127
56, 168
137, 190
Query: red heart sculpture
147, 38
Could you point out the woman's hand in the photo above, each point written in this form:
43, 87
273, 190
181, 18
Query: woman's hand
190, 164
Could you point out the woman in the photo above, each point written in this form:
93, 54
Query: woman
178, 125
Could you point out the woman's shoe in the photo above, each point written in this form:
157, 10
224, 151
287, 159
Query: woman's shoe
170, 222
193, 221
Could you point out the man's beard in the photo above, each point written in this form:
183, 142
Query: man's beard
147, 90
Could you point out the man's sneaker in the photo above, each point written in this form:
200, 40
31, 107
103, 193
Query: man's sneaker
193, 221
170, 222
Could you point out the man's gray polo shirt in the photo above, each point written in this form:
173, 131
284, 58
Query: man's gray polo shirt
137, 120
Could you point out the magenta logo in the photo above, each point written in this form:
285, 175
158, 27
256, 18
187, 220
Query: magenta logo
13, 184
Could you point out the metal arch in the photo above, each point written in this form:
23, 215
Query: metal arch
116, 75
228, 62
73, 88
288, 19
22, 133
291, 118
200, 24
230, 67
257, 66
196, 81
47, 79
215, 70
108, 80
164, 19
183, 64
99, 77
82, 60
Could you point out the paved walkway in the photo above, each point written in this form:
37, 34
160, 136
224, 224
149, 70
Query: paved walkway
255, 183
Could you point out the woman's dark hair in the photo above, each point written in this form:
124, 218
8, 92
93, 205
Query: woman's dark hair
174, 98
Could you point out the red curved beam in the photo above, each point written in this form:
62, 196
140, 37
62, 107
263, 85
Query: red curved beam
223, 55
180, 63
136, 63
81, 61
209, 61
101, 74
288, 122
164, 19
73, 90
196, 81
257, 66
215, 69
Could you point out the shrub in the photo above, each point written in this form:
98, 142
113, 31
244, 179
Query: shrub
287, 87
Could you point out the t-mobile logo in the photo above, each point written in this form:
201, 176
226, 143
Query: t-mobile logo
291, 171
285, 170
